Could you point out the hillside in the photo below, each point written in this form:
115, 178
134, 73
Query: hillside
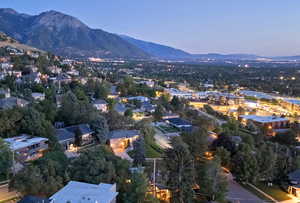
65, 35
8, 41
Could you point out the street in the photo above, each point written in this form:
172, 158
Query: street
236, 193
5, 194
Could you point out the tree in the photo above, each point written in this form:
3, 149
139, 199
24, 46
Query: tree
34, 123
136, 189
43, 178
100, 127
158, 113
99, 165
211, 180
139, 152
266, 159
245, 164
197, 142
180, 167
224, 156
5, 158
116, 121
128, 113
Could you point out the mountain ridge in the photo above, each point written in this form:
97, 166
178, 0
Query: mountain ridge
65, 35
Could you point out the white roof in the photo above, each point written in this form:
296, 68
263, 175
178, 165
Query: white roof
79, 192
20, 142
264, 119
37, 94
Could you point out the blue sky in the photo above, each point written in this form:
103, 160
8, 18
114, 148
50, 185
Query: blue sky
264, 27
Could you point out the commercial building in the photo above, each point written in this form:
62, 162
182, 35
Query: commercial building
272, 124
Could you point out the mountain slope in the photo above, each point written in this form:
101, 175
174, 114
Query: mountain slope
8, 41
158, 50
65, 35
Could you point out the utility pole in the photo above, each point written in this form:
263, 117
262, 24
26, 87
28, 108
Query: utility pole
154, 178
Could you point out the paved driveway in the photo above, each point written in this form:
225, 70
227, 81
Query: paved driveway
238, 194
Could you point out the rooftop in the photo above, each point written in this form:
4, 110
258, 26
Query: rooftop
78, 192
264, 119
123, 134
99, 101
20, 142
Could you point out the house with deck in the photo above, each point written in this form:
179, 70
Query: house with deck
75, 136
26, 147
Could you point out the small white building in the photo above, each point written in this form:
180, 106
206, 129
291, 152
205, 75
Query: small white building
100, 105
80, 192
38, 96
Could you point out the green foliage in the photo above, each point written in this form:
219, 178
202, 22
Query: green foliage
100, 127
10, 122
43, 178
116, 121
245, 166
211, 180
99, 165
136, 189
34, 123
179, 164
74, 111
139, 152
5, 158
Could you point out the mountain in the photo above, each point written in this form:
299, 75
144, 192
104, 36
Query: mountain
158, 50
65, 35
6, 41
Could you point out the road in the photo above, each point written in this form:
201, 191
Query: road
237, 194
5, 194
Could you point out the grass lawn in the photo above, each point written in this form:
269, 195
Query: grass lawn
275, 191
153, 150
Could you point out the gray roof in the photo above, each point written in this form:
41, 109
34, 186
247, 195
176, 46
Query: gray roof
123, 134
63, 134
10, 102
69, 132
294, 176
99, 101
120, 108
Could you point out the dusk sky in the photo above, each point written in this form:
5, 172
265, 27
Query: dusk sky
264, 27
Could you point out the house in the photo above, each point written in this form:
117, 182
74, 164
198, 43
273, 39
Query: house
5, 93
113, 92
272, 124
100, 105
139, 98
80, 192
121, 139
10, 102
26, 147
32, 78
148, 107
170, 115
76, 135
120, 108
54, 69
38, 96
294, 180
180, 124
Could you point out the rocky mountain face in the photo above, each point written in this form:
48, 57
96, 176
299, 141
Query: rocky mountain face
65, 35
